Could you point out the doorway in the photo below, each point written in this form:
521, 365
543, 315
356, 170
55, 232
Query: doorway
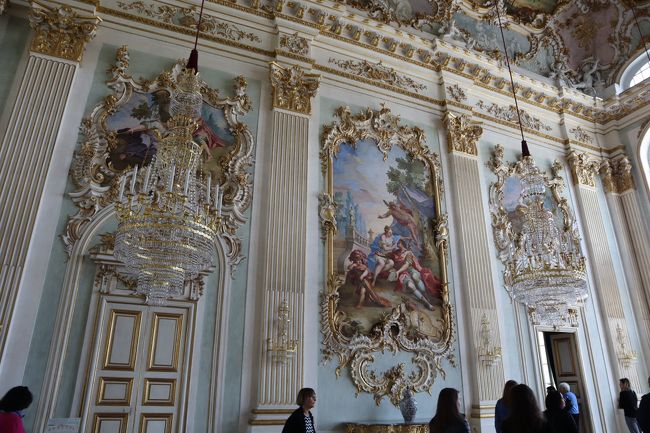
559, 362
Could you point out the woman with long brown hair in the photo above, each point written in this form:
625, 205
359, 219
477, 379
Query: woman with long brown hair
525, 414
502, 409
448, 418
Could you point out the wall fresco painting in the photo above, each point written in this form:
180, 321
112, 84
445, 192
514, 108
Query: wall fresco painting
135, 123
384, 244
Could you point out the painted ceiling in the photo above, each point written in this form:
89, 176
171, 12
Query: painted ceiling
582, 44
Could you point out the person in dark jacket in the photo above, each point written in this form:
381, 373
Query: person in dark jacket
557, 417
525, 415
643, 413
502, 409
627, 401
448, 418
301, 420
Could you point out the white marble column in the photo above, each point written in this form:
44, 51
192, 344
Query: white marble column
599, 261
26, 147
284, 247
476, 280
631, 235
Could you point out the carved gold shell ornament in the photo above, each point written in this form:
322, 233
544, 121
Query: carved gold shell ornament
95, 174
394, 331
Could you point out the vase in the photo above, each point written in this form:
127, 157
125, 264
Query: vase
408, 406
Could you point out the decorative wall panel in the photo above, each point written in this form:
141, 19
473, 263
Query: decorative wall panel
386, 243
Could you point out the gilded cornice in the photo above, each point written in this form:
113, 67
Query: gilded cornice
293, 88
383, 85
184, 30
378, 72
61, 31
337, 23
462, 133
617, 175
583, 168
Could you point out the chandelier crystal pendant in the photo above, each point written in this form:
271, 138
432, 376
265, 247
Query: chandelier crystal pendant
545, 269
169, 213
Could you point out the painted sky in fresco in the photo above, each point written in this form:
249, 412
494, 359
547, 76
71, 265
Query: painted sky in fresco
363, 172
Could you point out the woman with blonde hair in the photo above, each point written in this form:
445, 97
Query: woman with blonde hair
301, 420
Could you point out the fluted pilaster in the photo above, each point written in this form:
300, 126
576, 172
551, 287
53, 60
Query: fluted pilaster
631, 235
476, 278
284, 253
25, 154
585, 170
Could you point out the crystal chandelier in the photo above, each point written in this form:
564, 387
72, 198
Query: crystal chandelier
545, 270
170, 214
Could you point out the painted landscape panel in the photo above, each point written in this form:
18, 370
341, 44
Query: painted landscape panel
384, 245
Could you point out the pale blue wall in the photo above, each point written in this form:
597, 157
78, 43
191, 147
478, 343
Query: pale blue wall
14, 37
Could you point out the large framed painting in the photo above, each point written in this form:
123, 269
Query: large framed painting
123, 131
386, 241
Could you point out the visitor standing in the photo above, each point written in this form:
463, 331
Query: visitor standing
560, 421
525, 415
12, 405
643, 413
502, 409
571, 402
448, 418
301, 420
628, 401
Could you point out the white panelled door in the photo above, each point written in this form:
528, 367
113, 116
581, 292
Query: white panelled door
139, 367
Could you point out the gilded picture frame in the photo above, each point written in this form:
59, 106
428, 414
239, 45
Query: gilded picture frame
406, 308
122, 130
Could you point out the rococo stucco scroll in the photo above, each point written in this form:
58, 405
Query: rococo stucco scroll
386, 241
122, 132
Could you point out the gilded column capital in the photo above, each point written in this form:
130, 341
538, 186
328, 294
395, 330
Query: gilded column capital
583, 168
462, 133
293, 88
60, 31
617, 175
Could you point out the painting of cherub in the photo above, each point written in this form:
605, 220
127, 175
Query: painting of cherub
135, 123
384, 243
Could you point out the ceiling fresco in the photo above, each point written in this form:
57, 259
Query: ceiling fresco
581, 44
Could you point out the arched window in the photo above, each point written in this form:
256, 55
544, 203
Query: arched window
637, 71
641, 74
